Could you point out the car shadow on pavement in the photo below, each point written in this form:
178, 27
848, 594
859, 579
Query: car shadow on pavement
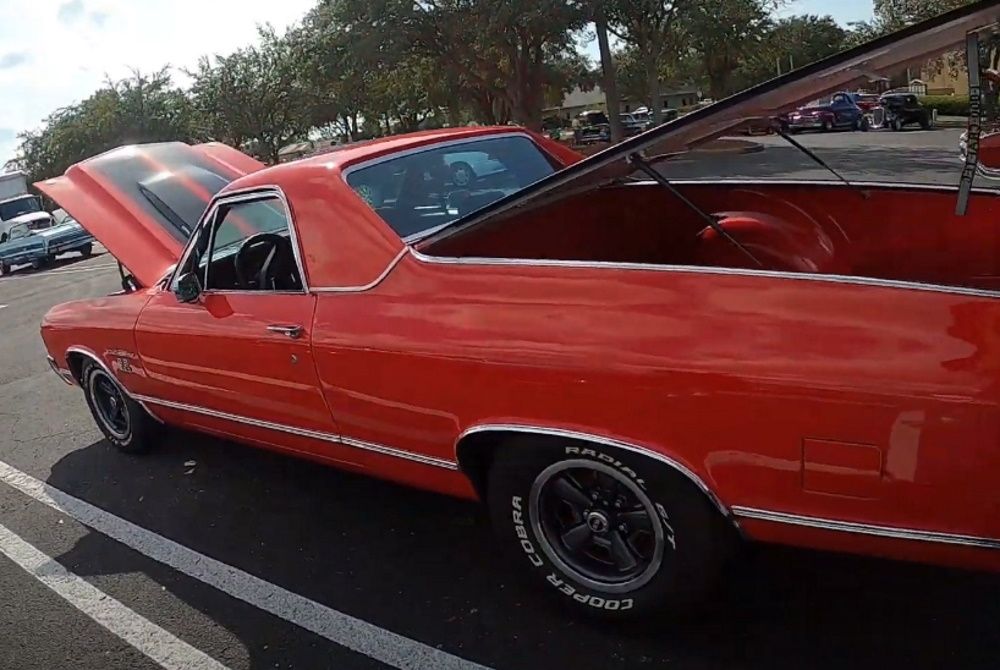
426, 567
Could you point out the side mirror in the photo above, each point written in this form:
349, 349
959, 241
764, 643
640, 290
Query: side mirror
188, 287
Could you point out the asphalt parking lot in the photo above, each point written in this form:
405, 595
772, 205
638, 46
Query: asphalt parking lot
208, 554
912, 155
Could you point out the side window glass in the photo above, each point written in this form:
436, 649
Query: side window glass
251, 249
430, 188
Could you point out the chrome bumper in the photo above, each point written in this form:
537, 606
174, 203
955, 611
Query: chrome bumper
62, 373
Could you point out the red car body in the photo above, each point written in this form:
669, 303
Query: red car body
844, 396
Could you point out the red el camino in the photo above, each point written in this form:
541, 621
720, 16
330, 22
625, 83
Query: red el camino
630, 374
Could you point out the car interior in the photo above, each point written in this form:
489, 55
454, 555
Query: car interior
250, 249
898, 233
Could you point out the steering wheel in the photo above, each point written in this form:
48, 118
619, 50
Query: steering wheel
279, 262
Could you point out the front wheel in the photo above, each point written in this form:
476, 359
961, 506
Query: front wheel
607, 531
827, 126
86, 250
4, 269
125, 424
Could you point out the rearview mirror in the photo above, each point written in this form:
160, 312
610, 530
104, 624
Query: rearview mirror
188, 287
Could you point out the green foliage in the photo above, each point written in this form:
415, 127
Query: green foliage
947, 105
254, 98
891, 15
790, 43
141, 108
359, 68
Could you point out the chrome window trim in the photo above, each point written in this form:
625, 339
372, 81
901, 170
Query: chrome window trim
915, 186
304, 432
370, 285
891, 532
607, 441
695, 269
76, 349
249, 194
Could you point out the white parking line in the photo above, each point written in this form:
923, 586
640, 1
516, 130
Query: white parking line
340, 628
169, 651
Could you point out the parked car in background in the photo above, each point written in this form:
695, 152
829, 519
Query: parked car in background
468, 166
839, 112
631, 125
866, 101
31, 244
904, 109
24, 208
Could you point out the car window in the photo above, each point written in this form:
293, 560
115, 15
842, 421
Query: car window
234, 225
420, 191
18, 231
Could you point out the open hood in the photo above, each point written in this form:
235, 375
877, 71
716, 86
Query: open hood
142, 202
844, 71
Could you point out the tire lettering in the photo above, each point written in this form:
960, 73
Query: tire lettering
522, 533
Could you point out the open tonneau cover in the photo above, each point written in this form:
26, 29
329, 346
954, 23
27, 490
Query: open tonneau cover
844, 71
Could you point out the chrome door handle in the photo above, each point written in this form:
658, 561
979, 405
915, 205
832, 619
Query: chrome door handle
291, 331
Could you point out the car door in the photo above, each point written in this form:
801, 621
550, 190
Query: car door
843, 110
237, 359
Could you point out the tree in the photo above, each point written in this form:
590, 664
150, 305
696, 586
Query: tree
609, 75
254, 98
140, 108
503, 53
789, 43
650, 30
892, 15
723, 33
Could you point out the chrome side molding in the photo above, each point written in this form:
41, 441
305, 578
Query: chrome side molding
891, 532
303, 432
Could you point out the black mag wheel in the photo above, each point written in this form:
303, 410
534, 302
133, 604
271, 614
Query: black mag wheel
611, 532
125, 423
109, 405
596, 524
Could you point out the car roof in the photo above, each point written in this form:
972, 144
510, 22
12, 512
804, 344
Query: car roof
346, 155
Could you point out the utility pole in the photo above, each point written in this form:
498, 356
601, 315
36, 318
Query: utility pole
609, 78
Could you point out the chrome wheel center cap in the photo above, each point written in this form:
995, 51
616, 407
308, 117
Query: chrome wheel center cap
598, 522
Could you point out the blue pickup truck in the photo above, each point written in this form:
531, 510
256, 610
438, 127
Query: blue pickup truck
38, 246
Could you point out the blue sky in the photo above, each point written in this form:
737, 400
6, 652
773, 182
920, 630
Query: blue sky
56, 52
844, 11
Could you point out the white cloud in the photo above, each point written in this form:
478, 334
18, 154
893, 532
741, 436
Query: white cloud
67, 48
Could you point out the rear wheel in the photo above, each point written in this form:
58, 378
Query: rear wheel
38, 263
124, 422
827, 126
4, 269
86, 250
896, 125
608, 531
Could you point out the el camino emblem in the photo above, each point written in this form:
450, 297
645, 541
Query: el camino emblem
122, 360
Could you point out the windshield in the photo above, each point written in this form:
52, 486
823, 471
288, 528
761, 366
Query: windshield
424, 190
20, 230
19, 206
